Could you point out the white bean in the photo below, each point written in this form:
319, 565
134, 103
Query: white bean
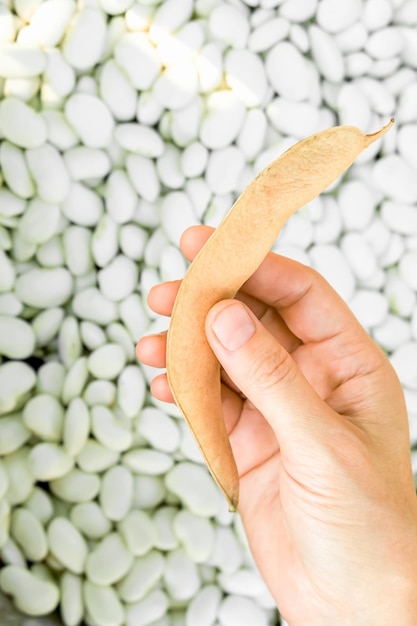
4, 480
49, 172
120, 198
184, 123
149, 491
67, 544
91, 305
48, 461
83, 45
294, 84
28, 532
246, 76
13, 434
10, 305
76, 486
163, 523
44, 288
224, 119
4, 523
90, 520
51, 376
44, 416
147, 461
158, 429
16, 380
20, 124
326, 54
109, 430
92, 335
224, 169
330, 262
85, 163
11, 205
7, 272
131, 390
116, 492
76, 427
105, 240
15, 170
230, 24
31, 595
76, 241
107, 361
50, 253
103, 605
11, 553
204, 606
109, 561
75, 380
71, 600
132, 241
147, 611
196, 534
143, 176
117, 91
181, 480
40, 221
100, 392
227, 555
118, 334
169, 169
181, 576
136, 55
40, 504
82, 205
240, 610
369, 306
21, 61
138, 532
395, 178
94, 457
143, 576
91, 119
119, 278
17, 339
140, 139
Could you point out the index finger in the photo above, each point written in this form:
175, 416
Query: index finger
312, 310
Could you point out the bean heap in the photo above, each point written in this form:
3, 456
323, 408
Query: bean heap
122, 122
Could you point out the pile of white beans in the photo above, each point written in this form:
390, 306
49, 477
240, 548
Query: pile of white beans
123, 122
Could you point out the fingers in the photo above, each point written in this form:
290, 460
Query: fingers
310, 307
193, 240
161, 297
151, 350
160, 389
268, 376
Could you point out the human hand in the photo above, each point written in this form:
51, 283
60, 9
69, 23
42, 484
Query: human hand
319, 431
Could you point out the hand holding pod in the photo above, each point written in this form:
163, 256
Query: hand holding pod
226, 261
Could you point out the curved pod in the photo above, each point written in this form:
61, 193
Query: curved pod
226, 261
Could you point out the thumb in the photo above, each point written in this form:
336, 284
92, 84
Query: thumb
267, 375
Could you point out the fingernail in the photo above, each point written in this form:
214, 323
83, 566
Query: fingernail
233, 326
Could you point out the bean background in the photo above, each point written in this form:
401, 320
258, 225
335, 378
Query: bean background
123, 122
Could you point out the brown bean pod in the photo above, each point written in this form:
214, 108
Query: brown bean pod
226, 261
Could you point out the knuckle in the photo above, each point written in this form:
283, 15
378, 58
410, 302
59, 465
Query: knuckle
271, 368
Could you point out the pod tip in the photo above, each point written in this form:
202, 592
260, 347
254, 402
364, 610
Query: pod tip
370, 138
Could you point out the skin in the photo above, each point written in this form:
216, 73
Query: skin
318, 427
239, 245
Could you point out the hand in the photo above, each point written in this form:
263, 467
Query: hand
319, 430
